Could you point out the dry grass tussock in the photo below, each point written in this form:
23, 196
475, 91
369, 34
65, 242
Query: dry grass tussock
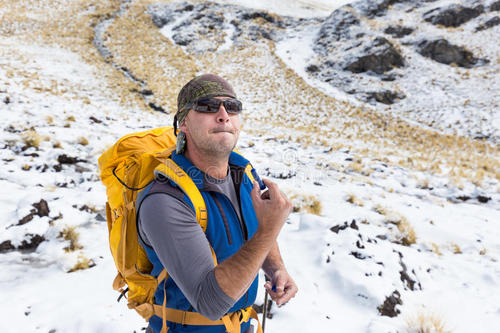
70, 234
31, 139
82, 263
407, 235
305, 203
426, 323
353, 199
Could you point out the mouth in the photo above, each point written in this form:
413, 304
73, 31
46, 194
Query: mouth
222, 131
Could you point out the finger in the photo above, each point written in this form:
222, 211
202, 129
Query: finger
280, 285
255, 192
272, 189
272, 290
290, 292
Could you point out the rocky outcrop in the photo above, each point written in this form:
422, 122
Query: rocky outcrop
380, 57
339, 25
385, 97
453, 16
204, 27
27, 245
442, 51
388, 308
398, 31
489, 24
371, 8
495, 6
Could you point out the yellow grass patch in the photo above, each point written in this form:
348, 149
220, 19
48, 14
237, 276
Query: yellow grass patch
71, 235
83, 263
426, 323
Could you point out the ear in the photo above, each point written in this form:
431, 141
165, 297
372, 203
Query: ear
183, 126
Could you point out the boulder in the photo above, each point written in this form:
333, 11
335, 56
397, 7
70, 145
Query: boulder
381, 57
489, 24
337, 26
371, 8
442, 51
453, 15
385, 97
398, 31
495, 6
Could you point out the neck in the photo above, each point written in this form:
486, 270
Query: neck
213, 165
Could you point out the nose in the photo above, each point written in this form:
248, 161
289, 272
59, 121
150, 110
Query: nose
222, 115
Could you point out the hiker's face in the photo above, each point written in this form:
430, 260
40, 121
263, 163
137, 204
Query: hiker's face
213, 133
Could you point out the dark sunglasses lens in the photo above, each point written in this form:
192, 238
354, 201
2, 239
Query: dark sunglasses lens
233, 106
212, 105
207, 105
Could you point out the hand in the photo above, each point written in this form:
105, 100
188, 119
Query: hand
271, 208
285, 287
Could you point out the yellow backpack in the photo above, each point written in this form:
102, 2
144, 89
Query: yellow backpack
126, 168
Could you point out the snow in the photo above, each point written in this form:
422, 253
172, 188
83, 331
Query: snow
343, 276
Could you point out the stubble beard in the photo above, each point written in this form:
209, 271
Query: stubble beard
213, 148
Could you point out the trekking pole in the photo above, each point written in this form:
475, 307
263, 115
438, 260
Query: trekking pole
264, 311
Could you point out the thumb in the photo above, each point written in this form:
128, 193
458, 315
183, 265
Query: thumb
255, 191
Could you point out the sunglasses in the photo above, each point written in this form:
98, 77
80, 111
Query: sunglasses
212, 105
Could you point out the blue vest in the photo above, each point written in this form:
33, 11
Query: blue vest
224, 244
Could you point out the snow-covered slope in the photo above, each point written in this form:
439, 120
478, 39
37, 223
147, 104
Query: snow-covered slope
391, 231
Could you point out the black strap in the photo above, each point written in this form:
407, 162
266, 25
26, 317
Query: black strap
128, 187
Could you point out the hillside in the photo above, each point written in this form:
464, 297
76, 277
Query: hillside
379, 119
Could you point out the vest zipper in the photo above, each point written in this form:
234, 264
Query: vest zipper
223, 215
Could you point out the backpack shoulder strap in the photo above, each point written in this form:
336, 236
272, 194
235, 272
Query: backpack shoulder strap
175, 173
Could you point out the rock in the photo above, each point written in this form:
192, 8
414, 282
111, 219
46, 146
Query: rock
42, 208
403, 275
386, 97
32, 243
312, 69
26, 245
6, 100
359, 255
161, 15
442, 51
27, 218
398, 31
495, 6
489, 24
453, 15
95, 120
254, 15
337, 228
6, 246
373, 8
483, 199
65, 159
337, 26
381, 57
353, 225
388, 308
156, 107
260, 309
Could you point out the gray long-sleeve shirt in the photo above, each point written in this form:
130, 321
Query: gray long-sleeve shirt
169, 226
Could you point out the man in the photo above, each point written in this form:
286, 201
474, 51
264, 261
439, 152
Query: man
242, 224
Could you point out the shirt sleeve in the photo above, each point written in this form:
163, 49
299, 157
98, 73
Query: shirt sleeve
169, 226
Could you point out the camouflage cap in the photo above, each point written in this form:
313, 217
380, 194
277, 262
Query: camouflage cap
203, 86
